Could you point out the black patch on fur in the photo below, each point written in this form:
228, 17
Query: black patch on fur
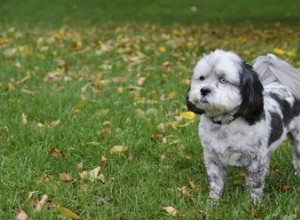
276, 128
252, 105
286, 108
296, 107
191, 107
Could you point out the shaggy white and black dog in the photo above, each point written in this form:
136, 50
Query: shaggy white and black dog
247, 113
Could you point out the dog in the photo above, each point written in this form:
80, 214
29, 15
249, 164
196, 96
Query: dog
247, 112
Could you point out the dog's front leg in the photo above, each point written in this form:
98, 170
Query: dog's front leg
255, 180
216, 174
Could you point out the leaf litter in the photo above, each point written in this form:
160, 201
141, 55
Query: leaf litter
151, 53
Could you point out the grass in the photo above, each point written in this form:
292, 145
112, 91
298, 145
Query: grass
86, 85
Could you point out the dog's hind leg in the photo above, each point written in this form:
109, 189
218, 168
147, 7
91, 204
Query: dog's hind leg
295, 142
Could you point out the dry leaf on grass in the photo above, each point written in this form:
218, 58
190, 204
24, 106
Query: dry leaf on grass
24, 119
21, 215
54, 123
66, 177
170, 210
187, 115
42, 203
56, 153
93, 175
118, 149
67, 212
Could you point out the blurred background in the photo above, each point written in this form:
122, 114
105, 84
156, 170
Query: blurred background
94, 12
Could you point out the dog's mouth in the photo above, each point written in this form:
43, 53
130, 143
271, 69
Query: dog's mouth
204, 100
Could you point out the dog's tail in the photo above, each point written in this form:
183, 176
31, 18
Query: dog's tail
270, 68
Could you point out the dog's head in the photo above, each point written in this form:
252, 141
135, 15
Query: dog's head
223, 83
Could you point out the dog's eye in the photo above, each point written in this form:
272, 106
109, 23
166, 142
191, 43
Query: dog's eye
222, 80
202, 78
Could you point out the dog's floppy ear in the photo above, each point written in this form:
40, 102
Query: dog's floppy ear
252, 104
191, 107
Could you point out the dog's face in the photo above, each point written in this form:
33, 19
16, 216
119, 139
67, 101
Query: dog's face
221, 83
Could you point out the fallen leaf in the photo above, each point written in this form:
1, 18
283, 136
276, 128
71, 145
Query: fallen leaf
54, 152
103, 160
32, 200
66, 177
118, 149
184, 191
40, 125
187, 115
141, 81
170, 210
54, 123
21, 215
24, 119
10, 52
67, 212
191, 183
93, 175
285, 186
40, 205
23, 80
79, 166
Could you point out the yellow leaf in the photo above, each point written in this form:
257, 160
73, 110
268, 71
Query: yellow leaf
187, 115
118, 149
162, 49
120, 89
170, 210
278, 51
40, 125
290, 53
67, 212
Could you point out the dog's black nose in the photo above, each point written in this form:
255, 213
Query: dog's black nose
204, 91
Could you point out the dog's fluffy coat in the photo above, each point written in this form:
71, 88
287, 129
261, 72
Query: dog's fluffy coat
247, 113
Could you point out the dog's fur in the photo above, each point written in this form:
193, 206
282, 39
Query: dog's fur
247, 113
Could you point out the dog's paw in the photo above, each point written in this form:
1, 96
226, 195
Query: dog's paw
214, 195
256, 199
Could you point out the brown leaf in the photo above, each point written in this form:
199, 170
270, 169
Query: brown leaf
165, 67
184, 191
66, 177
285, 186
191, 183
103, 160
54, 152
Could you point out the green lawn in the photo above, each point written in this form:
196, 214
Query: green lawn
103, 12
79, 78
